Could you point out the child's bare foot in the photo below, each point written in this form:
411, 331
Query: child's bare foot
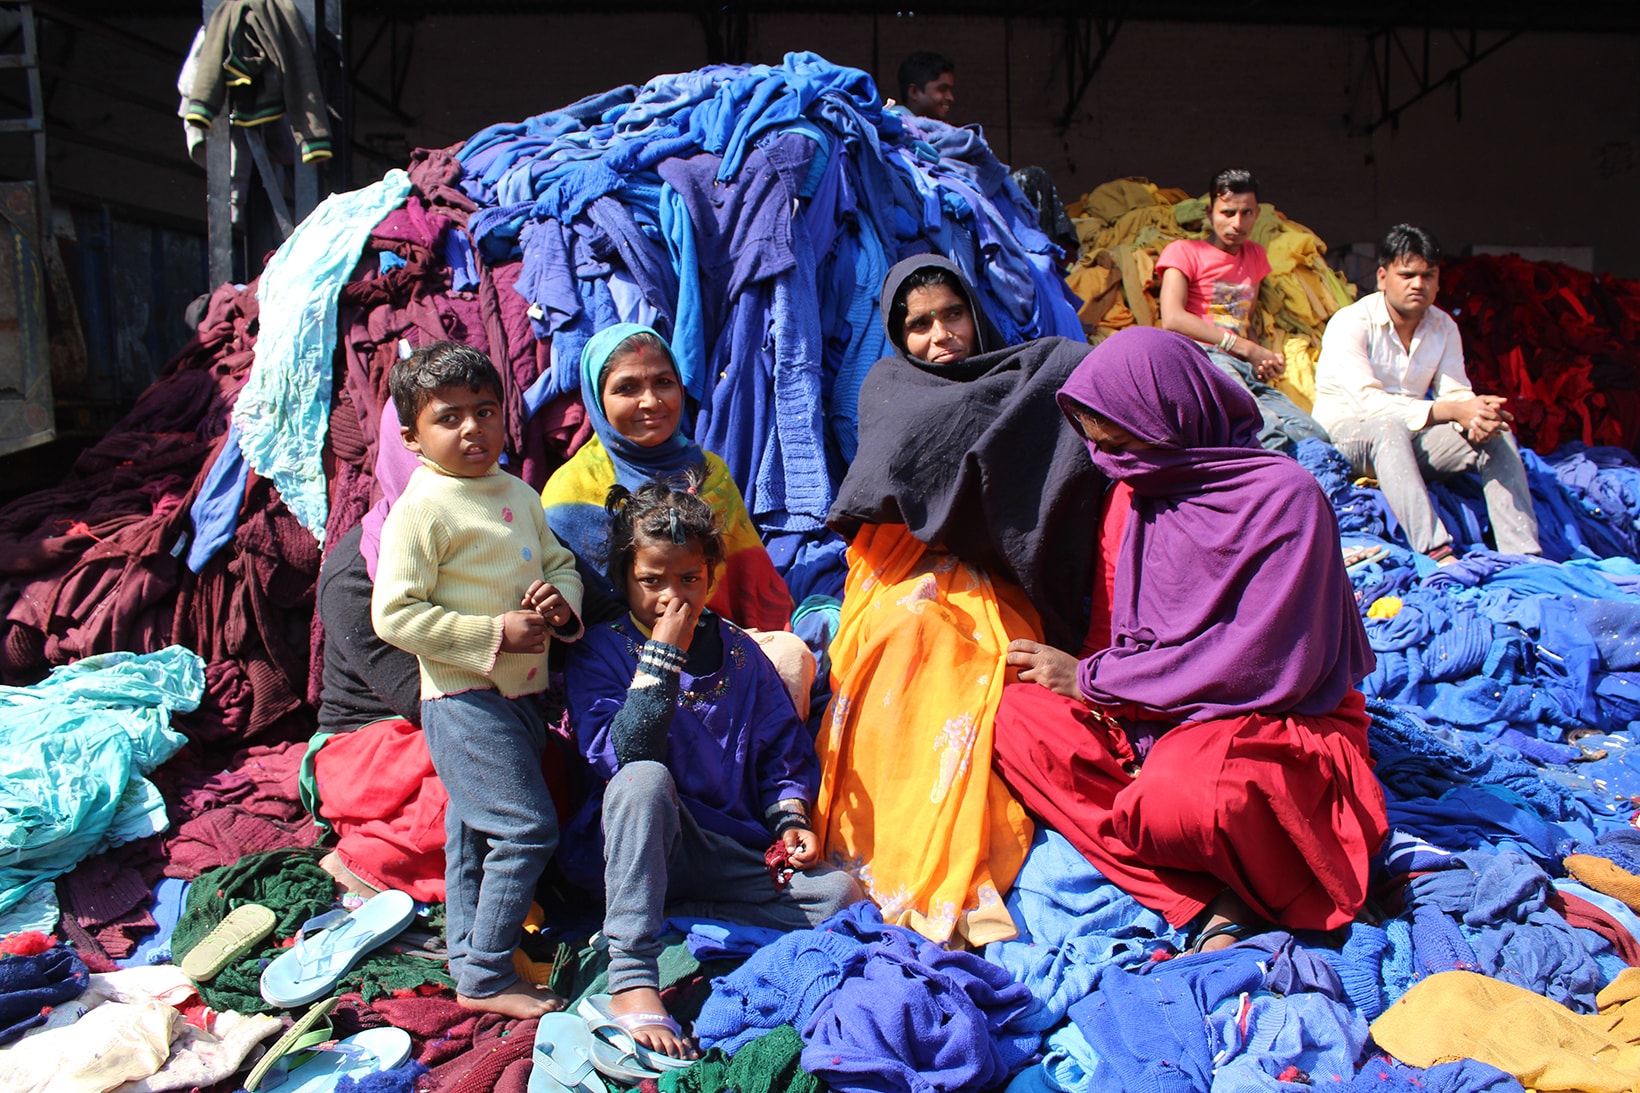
629, 1007
346, 879
519, 1000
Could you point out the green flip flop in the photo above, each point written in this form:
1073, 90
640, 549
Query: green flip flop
291, 1049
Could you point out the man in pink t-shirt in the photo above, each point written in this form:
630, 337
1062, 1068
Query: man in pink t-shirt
1209, 289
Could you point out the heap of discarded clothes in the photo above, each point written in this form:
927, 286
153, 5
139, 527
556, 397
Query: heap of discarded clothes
750, 214
1563, 344
1125, 224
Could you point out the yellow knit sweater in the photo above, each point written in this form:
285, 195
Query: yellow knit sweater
456, 554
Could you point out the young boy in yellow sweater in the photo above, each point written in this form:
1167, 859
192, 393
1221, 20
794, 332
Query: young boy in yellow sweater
471, 581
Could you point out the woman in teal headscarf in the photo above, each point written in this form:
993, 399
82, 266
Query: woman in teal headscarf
635, 398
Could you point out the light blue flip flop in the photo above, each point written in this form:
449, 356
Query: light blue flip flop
360, 1055
614, 1050
561, 1061
317, 961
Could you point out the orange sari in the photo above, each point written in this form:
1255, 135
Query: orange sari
908, 802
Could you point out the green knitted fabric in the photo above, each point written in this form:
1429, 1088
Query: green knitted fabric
579, 974
769, 1064
292, 885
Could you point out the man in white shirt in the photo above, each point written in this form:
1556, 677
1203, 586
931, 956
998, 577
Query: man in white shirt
1391, 390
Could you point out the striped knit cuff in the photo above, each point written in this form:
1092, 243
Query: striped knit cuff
661, 657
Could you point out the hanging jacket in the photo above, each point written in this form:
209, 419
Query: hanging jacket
257, 58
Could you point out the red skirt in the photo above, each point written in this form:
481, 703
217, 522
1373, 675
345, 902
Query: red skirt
378, 791
1283, 811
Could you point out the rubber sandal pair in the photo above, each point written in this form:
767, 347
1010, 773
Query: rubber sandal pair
373, 1051
238, 933
310, 1030
306, 1060
572, 1050
316, 963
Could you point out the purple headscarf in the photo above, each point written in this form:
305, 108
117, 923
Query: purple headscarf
394, 465
1230, 593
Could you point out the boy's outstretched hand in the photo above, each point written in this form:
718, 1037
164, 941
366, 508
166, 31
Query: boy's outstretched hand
545, 600
523, 632
802, 847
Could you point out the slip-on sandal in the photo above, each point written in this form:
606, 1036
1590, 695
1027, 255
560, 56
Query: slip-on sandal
561, 1061
1355, 555
1235, 931
318, 961
237, 934
292, 1049
615, 1051
358, 1056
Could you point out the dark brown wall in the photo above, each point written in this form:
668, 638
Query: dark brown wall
1546, 153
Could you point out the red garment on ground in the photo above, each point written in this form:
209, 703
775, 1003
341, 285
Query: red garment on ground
378, 791
221, 816
1283, 811
1578, 911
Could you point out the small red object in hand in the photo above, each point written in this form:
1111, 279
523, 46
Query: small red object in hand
780, 866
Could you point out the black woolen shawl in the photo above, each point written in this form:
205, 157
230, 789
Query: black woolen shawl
975, 458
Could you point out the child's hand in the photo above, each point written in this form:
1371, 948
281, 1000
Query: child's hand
676, 626
523, 632
802, 847
549, 603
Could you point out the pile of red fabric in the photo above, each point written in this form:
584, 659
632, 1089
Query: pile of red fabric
1561, 343
95, 564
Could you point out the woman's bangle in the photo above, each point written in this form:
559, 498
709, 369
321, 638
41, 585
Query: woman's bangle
1228, 342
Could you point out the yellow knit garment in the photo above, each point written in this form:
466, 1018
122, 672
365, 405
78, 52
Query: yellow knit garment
1547, 1047
457, 554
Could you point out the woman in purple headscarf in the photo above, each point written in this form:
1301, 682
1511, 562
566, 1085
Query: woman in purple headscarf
1212, 760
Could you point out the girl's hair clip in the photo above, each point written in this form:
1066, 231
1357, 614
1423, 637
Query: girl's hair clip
678, 536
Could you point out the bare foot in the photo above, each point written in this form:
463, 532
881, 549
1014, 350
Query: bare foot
346, 879
519, 1000
1228, 921
654, 1037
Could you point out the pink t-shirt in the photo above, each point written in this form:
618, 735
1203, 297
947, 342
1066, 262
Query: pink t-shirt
1223, 287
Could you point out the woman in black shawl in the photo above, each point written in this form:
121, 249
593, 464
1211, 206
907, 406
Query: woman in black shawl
971, 515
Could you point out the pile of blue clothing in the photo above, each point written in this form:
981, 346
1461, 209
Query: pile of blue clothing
750, 213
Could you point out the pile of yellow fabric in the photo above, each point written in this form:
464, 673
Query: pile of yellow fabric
1123, 226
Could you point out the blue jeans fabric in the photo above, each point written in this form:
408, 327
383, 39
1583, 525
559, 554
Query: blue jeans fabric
657, 860
499, 831
1284, 423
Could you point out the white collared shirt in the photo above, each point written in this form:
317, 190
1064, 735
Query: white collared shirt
1365, 371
